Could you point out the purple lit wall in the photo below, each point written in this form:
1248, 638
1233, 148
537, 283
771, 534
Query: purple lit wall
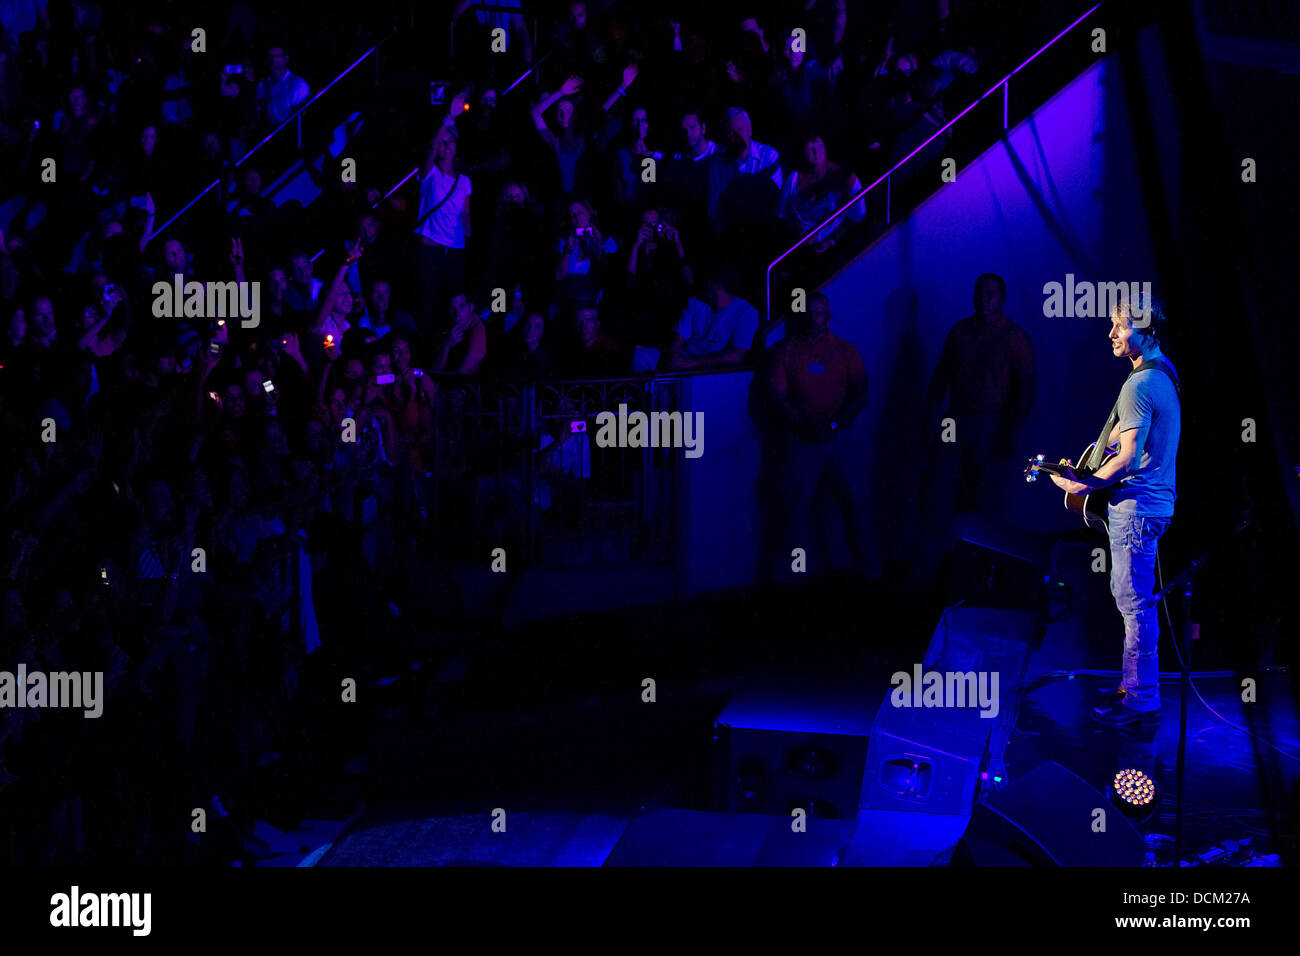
1059, 195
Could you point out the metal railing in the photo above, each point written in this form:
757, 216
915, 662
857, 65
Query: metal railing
518, 465
1003, 84
294, 120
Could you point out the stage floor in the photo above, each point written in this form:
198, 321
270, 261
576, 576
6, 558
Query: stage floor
550, 728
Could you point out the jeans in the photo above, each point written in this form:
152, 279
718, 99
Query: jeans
439, 274
797, 469
1133, 540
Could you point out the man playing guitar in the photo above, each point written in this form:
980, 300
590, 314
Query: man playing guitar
1140, 479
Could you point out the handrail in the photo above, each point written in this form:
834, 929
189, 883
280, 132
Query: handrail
297, 116
1002, 84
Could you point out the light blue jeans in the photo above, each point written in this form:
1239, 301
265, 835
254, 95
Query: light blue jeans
1133, 540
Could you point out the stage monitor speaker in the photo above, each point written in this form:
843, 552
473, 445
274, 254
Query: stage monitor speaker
930, 758
924, 759
792, 742
1048, 818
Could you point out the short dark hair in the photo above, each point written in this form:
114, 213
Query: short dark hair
1002, 283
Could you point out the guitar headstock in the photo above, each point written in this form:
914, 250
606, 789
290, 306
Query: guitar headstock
1039, 463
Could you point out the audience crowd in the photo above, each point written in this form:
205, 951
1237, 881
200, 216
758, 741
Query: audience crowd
200, 506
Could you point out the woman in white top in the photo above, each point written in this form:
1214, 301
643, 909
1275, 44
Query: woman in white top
444, 223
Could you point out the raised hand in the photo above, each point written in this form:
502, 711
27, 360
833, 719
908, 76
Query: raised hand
236, 252
629, 74
570, 86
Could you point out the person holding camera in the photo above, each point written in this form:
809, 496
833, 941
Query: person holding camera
657, 280
581, 255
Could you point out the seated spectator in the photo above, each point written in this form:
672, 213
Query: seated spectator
411, 379
249, 201
274, 308
282, 92
461, 345
745, 179
147, 172
379, 315
517, 256
688, 173
593, 353
16, 330
812, 193
523, 355
632, 186
303, 289
713, 333
175, 261
76, 129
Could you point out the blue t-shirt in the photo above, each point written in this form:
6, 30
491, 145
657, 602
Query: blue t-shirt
1149, 403
706, 331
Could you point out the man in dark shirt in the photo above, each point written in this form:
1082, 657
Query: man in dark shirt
593, 354
987, 372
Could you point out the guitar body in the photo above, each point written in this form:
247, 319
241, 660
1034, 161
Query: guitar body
1091, 507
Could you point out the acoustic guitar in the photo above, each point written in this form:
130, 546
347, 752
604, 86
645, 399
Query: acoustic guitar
1091, 506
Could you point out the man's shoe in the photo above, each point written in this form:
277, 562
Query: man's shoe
1121, 716
1109, 697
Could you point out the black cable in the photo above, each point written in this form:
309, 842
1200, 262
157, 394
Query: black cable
1160, 581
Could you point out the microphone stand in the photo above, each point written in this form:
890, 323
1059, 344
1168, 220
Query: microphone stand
1183, 581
